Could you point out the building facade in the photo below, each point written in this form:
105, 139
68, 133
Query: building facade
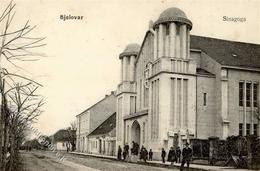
103, 139
91, 118
176, 87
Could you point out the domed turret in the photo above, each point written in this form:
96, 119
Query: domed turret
173, 15
131, 49
128, 57
172, 30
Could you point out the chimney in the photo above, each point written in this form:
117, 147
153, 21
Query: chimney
150, 24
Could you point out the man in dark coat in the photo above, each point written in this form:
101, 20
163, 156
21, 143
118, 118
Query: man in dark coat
171, 155
186, 156
163, 154
143, 153
178, 155
150, 155
119, 153
126, 151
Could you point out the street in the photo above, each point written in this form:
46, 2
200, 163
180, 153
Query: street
46, 161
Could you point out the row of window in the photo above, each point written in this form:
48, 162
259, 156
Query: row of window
249, 93
248, 129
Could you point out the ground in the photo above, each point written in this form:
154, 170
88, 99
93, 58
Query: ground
46, 161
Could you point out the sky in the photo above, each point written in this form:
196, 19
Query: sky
82, 56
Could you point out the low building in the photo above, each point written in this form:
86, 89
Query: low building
91, 118
103, 139
62, 139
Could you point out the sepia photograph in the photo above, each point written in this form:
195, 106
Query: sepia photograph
129, 85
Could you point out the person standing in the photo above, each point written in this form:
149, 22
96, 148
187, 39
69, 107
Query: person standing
178, 155
150, 155
126, 149
186, 156
163, 154
145, 155
171, 156
119, 153
142, 152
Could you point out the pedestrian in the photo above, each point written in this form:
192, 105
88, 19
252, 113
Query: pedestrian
145, 155
150, 155
132, 149
186, 156
119, 153
178, 154
163, 155
126, 151
171, 156
124, 155
142, 152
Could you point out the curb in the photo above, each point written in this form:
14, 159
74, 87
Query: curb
161, 165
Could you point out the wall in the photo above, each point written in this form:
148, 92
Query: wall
146, 56
235, 113
101, 111
205, 113
92, 118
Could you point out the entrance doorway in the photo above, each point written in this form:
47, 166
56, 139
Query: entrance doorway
136, 132
100, 146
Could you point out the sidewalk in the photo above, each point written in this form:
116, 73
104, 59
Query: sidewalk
193, 167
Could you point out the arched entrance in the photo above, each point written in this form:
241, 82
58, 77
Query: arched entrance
136, 132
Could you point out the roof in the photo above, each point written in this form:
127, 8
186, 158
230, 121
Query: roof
203, 72
112, 93
229, 53
108, 125
131, 49
173, 15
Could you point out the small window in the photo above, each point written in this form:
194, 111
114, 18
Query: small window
248, 92
240, 129
205, 99
255, 129
241, 95
255, 95
247, 129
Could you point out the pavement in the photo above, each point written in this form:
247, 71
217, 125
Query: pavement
39, 161
193, 167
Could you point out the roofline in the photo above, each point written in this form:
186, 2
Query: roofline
100, 124
241, 68
194, 50
90, 136
141, 47
227, 40
95, 104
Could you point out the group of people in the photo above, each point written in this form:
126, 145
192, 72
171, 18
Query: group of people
174, 155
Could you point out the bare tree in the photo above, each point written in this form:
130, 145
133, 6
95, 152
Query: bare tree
18, 99
25, 108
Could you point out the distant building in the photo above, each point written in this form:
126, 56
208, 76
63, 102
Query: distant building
176, 86
103, 139
61, 140
91, 118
